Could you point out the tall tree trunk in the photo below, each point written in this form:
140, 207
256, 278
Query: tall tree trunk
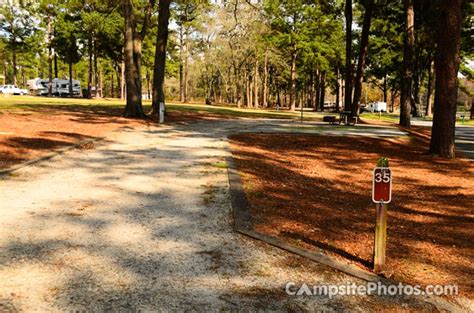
255, 86
307, 96
323, 91
311, 89
392, 100
70, 80
318, 90
407, 69
265, 80
338, 87
90, 68
118, 71
22, 71
446, 91
415, 100
123, 87
247, 91
385, 89
181, 64
250, 91
429, 91
364, 42
472, 109
132, 57
96, 72
134, 106
238, 87
343, 90
186, 58
55, 64
101, 83
14, 66
137, 57
160, 56
293, 81
348, 74
50, 57
112, 87
148, 87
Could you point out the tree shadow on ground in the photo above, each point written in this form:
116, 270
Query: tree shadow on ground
327, 247
19, 149
35, 143
145, 242
319, 189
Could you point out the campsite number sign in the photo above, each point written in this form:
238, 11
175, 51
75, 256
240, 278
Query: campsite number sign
382, 185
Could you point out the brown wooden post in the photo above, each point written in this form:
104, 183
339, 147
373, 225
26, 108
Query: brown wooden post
380, 229
380, 237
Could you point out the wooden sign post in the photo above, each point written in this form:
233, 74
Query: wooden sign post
161, 112
381, 195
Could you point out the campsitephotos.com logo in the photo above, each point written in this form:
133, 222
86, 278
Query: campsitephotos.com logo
370, 288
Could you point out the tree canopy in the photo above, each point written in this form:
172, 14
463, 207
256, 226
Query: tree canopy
262, 53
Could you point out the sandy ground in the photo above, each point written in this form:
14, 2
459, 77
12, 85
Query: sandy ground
144, 221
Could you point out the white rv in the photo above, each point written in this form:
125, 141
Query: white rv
378, 106
38, 87
60, 88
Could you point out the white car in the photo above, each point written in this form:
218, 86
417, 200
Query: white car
12, 90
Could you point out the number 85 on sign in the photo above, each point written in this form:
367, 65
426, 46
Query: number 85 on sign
382, 185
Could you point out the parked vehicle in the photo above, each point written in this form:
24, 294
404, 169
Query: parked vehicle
60, 87
378, 106
329, 105
38, 86
12, 90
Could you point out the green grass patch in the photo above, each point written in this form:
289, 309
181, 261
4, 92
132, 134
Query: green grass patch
31, 103
310, 129
382, 116
39, 104
459, 121
391, 117
221, 164
233, 111
469, 122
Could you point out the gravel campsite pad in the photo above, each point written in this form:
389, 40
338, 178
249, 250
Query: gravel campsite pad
315, 192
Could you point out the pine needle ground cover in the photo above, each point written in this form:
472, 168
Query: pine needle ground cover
26, 134
315, 192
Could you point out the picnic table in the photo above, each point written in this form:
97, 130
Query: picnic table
346, 118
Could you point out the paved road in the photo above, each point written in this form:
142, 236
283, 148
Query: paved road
143, 222
464, 137
465, 140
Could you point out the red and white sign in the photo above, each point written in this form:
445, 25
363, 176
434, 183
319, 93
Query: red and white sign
382, 185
